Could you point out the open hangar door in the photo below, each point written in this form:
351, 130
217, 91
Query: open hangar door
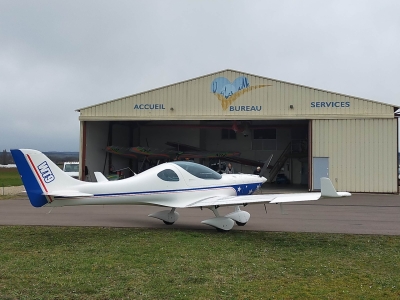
255, 140
106, 146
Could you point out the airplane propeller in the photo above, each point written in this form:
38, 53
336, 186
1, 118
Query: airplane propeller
265, 166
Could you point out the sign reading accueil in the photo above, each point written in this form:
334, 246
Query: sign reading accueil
149, 106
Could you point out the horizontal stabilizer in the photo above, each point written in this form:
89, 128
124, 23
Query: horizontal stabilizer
67, 194
100, 177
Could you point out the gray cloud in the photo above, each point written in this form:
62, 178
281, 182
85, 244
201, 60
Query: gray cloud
56, 57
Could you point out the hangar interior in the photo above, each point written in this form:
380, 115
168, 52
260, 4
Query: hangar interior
255, 140
312, 133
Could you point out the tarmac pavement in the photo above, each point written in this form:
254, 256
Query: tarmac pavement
359, 214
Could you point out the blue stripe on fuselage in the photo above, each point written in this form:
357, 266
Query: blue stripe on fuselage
32, 186
244, 190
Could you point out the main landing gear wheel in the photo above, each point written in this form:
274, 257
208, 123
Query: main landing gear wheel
241, 217
168, 223
240, 223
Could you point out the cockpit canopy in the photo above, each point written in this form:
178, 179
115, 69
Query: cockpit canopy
198, 170
168, 175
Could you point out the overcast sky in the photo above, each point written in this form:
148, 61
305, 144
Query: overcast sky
59, 56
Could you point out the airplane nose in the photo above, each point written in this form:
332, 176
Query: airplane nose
263, 179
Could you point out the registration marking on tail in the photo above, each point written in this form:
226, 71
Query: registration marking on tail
46, 172
37, 173
49, 199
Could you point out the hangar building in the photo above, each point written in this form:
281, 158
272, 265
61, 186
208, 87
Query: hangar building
310, 132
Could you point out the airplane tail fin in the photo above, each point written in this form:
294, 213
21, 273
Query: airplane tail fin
40, 176
329, 191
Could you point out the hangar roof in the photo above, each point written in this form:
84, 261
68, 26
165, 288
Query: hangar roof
235, 95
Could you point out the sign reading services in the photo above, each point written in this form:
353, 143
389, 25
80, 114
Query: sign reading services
330, 104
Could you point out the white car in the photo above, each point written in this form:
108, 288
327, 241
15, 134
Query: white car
72, 169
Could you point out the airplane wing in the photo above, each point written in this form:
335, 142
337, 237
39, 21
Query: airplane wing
251, 199
183, 147
246, 161
153, 153
327, 190
229, 156
187, 125
138, 151
208, 154
120, 151
188, 151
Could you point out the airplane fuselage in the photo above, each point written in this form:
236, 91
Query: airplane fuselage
148, 188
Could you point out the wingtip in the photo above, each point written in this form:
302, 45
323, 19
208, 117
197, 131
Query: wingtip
328, 190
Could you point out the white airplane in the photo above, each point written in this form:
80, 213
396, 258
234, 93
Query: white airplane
179, 184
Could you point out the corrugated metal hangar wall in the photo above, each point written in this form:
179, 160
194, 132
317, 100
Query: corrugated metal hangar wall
362, 153
354, 141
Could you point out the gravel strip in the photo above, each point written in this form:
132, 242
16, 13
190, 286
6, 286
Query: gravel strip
11, 190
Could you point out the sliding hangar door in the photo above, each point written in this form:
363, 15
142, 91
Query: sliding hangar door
310, 132
362, 158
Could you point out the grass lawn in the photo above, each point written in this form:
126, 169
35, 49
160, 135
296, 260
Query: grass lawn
122, 263
9, 177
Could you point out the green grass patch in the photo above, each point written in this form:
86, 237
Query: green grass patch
9, 177
115, 263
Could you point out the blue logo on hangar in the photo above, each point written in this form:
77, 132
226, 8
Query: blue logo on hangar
227, 92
